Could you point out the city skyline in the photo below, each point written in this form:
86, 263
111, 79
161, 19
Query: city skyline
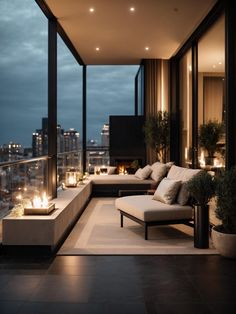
23, 80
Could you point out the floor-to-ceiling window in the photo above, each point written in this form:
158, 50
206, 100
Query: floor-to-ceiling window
69, 111
23, 100
185, 107
211, 95
110, 91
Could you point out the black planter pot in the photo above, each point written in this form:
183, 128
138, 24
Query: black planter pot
201, 226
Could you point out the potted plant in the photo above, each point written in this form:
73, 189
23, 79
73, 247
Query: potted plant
202, 188
157, 133
209, 134
224, 235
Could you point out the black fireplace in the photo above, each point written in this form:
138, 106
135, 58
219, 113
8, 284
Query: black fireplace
127, 145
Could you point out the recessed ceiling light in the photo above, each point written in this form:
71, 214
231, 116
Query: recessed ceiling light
214, 66
146, 48
132, 9
91, 10
97, 49
219, 62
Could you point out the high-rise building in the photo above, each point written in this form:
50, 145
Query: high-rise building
60, 139
71, 140
105, 135
40, 140
11, 152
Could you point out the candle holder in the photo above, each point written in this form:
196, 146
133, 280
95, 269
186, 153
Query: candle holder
71, 178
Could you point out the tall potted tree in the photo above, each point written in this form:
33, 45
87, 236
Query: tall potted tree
224, 235
157, 134
209, 135
202, 188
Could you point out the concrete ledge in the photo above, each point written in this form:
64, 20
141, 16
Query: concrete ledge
47, 230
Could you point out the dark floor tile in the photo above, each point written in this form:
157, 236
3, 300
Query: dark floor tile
126, 308
224, 308
75, 260
116, 290
62, 308
72, 270
175, 308
19, 287
10, 307
215, 289
116, 266
55, 288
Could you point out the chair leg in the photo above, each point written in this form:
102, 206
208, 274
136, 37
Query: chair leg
146, 231
121, 220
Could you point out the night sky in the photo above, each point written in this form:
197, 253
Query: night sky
23, 79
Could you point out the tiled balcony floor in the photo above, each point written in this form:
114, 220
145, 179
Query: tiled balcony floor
117, 284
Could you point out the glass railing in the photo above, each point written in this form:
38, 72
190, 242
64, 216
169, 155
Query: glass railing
97, 156
21, 180
67, 161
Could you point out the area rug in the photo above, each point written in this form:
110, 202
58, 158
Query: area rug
98, 232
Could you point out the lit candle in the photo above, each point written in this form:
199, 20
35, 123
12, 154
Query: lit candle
72, 180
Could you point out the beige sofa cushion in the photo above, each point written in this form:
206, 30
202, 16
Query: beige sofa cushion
183, 174
143, 173
145, 208
159, 170
167, 190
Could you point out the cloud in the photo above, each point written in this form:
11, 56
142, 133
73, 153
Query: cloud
23, 79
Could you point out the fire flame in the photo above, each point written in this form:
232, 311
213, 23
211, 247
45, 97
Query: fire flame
39, 202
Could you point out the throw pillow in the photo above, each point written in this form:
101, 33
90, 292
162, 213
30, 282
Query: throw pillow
183, 174
159, 170
143, 173
167, 190
111, 170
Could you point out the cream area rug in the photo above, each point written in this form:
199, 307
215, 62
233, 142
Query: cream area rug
98, 232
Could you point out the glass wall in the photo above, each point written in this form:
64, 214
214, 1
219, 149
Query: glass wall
23, 99
185, 82
110, 91
140, 91
211, 96
69, 111
23, 78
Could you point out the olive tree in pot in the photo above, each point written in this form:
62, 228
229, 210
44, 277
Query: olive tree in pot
157, 133
224, 235
202, 188
209, 134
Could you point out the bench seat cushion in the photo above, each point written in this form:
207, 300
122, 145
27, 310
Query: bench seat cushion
119, 179
146, 209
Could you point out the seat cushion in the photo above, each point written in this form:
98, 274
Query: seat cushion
146, 209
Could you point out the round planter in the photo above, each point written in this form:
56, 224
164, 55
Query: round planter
225, 243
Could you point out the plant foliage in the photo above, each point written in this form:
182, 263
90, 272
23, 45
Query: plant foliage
202, 188
226, 200
209, 135
157, 133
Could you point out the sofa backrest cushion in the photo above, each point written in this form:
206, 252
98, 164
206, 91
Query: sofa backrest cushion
167, 190
183, 174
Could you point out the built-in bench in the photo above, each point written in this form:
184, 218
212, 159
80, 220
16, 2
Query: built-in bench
111, 185
46, 231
